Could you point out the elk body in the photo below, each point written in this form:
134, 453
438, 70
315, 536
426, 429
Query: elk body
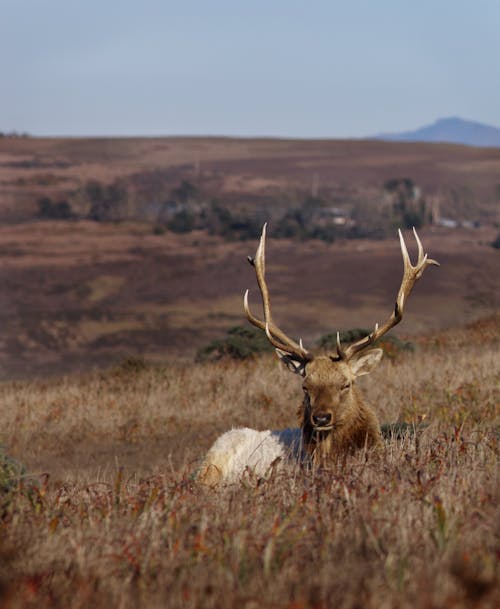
333, 418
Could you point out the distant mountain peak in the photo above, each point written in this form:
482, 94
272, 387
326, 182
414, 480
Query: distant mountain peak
451, 129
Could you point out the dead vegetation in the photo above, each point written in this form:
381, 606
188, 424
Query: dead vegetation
109, 515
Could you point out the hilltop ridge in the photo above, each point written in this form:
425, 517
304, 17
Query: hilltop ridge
452, 130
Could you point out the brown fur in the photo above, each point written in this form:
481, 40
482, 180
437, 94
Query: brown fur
329, 387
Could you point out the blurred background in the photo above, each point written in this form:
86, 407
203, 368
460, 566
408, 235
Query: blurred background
142, 147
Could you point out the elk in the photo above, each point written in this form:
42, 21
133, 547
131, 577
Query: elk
333, 418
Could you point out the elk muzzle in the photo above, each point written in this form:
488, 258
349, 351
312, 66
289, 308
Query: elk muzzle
322, 421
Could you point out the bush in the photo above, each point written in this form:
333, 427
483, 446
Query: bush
130, 366
496, 242
182, 222
240, 343
107, 203
184, 192
51, 210
158, 229
10, 473
219, 220
415, 216
291, 226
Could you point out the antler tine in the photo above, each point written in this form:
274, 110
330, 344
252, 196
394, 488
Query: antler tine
410, 275
276, 343
340, 350
421, 254
423, 259
276, 336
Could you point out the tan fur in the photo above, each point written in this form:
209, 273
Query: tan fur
329, 387
329, 390
209, 475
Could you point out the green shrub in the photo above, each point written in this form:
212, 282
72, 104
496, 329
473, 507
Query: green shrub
10, 473
241, 342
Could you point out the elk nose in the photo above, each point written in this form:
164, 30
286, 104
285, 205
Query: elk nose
323, 419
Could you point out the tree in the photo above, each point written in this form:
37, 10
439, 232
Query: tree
107, 203
51, 210
182, 222
184, 192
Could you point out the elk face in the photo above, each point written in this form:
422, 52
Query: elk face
330, 398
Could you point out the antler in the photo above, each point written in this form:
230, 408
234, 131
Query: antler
276, 336
410, 275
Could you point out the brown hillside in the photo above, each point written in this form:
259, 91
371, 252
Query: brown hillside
78, 294
81, 294
465, 178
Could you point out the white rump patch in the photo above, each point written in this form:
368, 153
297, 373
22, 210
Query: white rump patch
242, 448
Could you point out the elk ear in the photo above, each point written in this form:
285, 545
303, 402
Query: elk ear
298, 366
366, 362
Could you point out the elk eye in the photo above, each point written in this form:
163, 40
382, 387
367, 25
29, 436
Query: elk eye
346, 386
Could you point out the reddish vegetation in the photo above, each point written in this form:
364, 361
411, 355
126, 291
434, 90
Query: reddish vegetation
109, 514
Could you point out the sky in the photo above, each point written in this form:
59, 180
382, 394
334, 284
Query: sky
316, 68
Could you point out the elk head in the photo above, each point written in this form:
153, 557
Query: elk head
332, 415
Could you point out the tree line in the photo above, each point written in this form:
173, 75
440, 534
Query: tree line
186, 208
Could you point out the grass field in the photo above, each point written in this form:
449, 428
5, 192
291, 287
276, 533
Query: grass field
108, 513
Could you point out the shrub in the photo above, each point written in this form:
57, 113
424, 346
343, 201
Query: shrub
184, 192
220, 220
415, 216
107, 203
10, 472
158, 229
496, 242
291, 226
182, 222
51, 210
133, 364
241, 342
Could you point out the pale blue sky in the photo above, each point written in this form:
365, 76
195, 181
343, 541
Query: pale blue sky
246, 67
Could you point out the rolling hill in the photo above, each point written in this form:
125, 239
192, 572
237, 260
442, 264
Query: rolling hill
451, 130
79, 293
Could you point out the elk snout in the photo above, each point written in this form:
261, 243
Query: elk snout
322, 420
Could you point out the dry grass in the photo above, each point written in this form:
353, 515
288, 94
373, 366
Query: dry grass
116, 519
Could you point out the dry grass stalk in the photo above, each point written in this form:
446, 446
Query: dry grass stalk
415, 527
